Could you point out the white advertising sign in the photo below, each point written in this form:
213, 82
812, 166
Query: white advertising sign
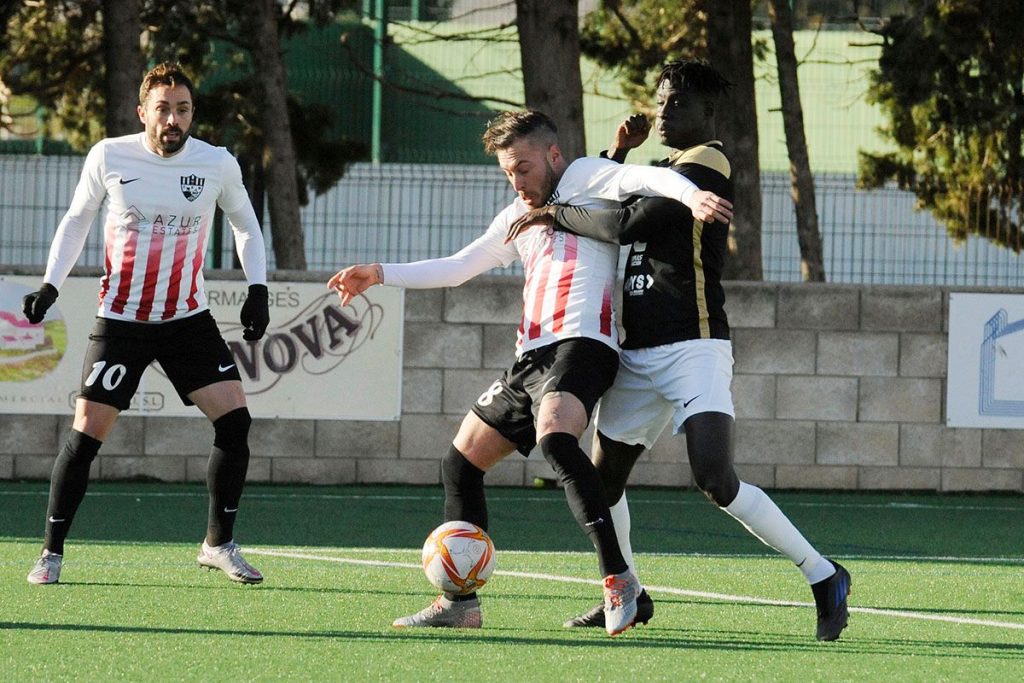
317, 359
985, 380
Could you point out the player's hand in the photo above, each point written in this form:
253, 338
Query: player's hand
255, 314
35, 305
352, 281
630, 134
709, 207
543, 216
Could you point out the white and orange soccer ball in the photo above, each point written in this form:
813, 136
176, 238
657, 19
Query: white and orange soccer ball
458, 557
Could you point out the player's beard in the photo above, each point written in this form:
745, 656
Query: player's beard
168, 146
550, 183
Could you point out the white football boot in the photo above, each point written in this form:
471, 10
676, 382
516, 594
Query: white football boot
228, 558
46, 569
445, 613
620, 593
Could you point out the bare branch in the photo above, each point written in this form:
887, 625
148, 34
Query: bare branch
475, 10
841, 62
634, 35
490, 33
436, 93
814, 45
517, 73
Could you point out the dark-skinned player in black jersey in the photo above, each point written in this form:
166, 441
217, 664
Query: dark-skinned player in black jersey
676, 361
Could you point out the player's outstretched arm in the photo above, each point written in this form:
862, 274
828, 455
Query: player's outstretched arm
648, 181
617, 226
636, 222
352, 281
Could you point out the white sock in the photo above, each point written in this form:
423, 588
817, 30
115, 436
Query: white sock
763, 518
620, 518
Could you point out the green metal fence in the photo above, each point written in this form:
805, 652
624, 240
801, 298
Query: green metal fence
405, 212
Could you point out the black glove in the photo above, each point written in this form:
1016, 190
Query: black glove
255, 313
35, 305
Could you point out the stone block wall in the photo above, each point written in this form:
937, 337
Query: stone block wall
836, 387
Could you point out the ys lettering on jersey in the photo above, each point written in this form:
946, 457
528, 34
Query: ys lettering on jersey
636, 285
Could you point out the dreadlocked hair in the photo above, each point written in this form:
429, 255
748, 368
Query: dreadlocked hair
696, 76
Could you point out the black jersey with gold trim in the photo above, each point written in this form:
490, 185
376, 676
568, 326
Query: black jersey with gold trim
672, 289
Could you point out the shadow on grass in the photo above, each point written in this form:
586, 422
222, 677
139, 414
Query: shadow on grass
895, 526
647, 638
222, 585
660, 600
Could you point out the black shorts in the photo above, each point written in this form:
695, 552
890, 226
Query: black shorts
190, 351
582, 367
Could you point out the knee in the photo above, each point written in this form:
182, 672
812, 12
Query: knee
614, 461
614, 493
720, 487
563, 453
231, 430
709, 438
456, 470
613, 478
80, 448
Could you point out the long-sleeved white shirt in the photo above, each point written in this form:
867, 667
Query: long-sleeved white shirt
570, 280
158, 216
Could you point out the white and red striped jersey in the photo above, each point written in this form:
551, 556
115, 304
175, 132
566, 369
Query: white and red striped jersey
158, 216
570, 280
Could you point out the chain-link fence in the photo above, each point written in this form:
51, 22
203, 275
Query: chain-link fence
878, 237
405, 212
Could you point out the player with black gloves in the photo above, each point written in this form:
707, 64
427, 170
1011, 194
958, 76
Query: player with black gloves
161, 188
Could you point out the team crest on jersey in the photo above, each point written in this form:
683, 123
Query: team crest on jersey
192, 186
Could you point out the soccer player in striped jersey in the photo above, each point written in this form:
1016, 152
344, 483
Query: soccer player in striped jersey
676, 362
566, 347
161, 188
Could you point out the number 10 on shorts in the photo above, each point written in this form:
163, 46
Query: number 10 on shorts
111, 377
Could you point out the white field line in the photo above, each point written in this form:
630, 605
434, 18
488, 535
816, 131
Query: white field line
639, 500
655, 589
749, 556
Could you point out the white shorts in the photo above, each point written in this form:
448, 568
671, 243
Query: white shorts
669, 381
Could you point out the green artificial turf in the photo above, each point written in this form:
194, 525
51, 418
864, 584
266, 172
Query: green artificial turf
937, 590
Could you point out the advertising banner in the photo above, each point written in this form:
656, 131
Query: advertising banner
317, 359
985, 380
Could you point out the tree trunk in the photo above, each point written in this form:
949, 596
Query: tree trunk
730, 50
812, 260
123, 64
278, 155
549, 47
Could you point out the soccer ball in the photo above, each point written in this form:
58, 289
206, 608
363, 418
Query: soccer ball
458, 557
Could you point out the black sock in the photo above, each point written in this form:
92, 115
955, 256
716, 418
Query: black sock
68, 483
225, 473
586, 496
464, 497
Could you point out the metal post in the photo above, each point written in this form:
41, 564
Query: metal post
380, 35
40, 129
414, 10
